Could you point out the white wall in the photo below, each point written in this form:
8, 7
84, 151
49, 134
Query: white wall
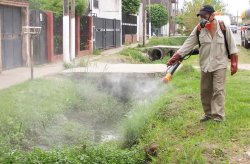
140, 24
110, 9
165, 30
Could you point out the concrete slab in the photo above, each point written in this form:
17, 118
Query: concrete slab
119, 68
167, 47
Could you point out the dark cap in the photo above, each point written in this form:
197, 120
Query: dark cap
206, 9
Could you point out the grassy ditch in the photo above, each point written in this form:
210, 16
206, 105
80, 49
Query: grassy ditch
64, 119
170, 123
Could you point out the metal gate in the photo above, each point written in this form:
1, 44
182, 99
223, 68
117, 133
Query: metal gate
129, 26
58, 34
40, 47
84, 33
107, 33
11, 28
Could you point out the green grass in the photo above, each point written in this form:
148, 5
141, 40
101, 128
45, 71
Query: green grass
180, 136
92, 154
172, 121
97, 52
24, 107
167, 41
39, 111
135, 54
244, 55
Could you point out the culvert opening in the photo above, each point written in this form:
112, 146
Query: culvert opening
156, 54
160, 53
102, 102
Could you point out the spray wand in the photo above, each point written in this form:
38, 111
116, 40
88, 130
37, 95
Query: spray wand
171, 69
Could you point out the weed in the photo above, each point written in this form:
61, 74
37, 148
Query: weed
68, 65
97, 52
136, 54
83, 62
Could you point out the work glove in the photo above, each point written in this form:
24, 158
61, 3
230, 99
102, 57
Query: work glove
176, 57
234, 63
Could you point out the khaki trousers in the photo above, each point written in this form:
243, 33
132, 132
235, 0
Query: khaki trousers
213, 93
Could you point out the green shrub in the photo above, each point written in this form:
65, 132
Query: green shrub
91, 154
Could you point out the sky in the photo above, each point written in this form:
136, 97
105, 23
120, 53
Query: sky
232, 5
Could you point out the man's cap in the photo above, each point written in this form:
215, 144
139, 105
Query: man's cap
205, 9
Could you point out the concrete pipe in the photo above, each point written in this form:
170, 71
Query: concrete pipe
159, 53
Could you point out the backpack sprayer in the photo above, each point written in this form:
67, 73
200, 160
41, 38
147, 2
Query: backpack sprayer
172, 68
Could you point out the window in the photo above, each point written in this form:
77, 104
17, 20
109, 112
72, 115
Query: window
96, 4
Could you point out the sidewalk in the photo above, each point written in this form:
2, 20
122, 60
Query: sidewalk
19, 75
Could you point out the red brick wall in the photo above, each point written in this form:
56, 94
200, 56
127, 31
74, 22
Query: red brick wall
80, 53
130, 38
50, 39
77, 35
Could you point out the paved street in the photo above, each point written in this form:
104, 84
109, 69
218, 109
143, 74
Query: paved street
237, 38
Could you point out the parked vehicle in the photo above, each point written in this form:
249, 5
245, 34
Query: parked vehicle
245, 29
233, 28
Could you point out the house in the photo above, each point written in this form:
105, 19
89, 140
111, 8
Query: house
106, 17
14, 46
99, 28
172, 9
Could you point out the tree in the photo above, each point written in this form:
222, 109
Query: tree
81, 6
188, 17
180, 21
130, 6
158, 15
57, 6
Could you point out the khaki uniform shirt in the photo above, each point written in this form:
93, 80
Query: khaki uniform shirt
213, 53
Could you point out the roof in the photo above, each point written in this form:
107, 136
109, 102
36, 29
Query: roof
18, 3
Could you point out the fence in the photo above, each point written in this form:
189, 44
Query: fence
58, 35
107, 33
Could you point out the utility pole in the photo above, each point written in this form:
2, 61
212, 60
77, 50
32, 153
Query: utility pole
66, 57
169, 16
237, 18
149, 20
143, 26
175, 14
72, 31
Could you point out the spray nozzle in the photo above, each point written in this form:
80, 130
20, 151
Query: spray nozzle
167, 78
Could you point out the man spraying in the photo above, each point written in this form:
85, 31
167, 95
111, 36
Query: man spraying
216, 46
